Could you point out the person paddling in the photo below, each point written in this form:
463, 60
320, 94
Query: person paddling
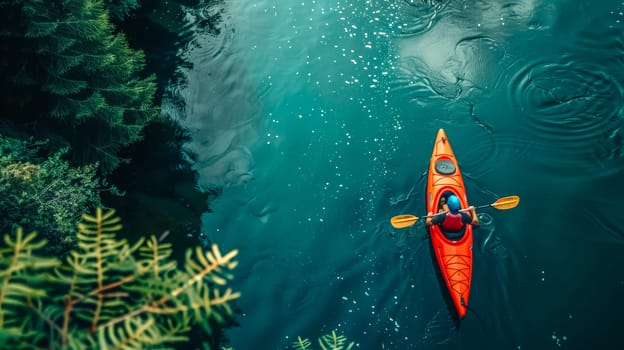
451, 219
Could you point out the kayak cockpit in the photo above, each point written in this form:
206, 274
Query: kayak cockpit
450, 235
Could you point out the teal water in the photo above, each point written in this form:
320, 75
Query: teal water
318, 117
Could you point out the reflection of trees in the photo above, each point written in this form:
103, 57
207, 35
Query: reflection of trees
160, 184
160, 177
162, 28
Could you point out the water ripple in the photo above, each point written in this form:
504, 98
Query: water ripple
493, 243
422, 15
567, 100
475, 56
420, 85
479, 153
601, 39
575, 107
513, 145
221, 117
448, 64
441, 328
205, 21
607, 229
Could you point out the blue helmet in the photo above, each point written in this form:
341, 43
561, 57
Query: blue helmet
453, 203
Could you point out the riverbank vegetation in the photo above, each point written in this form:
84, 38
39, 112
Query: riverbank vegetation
81, 128
69, 77
79, 100
110, 294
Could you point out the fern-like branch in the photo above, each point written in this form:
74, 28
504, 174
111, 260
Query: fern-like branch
23, 275
211, 263
334, 342
301, 344
105, 296
99, 252
134, 334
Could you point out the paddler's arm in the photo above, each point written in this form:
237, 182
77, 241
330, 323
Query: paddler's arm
473, 213
428, 219
434, 219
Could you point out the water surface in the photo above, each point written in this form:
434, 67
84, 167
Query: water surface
318, 119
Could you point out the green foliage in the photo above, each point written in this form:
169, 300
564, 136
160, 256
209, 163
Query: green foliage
86, 80
108, 294
43, 194
334, 342
121, 9
302, 344
22, 281
327, 342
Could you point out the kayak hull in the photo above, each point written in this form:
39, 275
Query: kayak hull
453, 257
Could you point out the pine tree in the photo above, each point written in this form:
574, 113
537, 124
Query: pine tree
83, 73
121, 9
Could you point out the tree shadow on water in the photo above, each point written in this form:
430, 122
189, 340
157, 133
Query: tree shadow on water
161, 195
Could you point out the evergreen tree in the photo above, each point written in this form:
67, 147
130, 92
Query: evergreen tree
121, 9
85, 79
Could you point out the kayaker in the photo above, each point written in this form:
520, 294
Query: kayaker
451, 219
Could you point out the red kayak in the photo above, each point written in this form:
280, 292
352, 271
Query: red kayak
453, 252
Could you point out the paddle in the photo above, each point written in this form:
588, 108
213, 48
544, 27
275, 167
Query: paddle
406, 220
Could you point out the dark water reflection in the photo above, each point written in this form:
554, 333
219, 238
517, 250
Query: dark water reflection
317, 120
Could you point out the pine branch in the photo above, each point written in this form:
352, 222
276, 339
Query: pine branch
301, 344
112, 299
135, 333
155, 256
334, 342
96, 240
69, 305
211, 263
37, 310
22, 273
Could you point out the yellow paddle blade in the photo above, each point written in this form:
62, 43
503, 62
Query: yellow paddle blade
506, 203
403, 221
